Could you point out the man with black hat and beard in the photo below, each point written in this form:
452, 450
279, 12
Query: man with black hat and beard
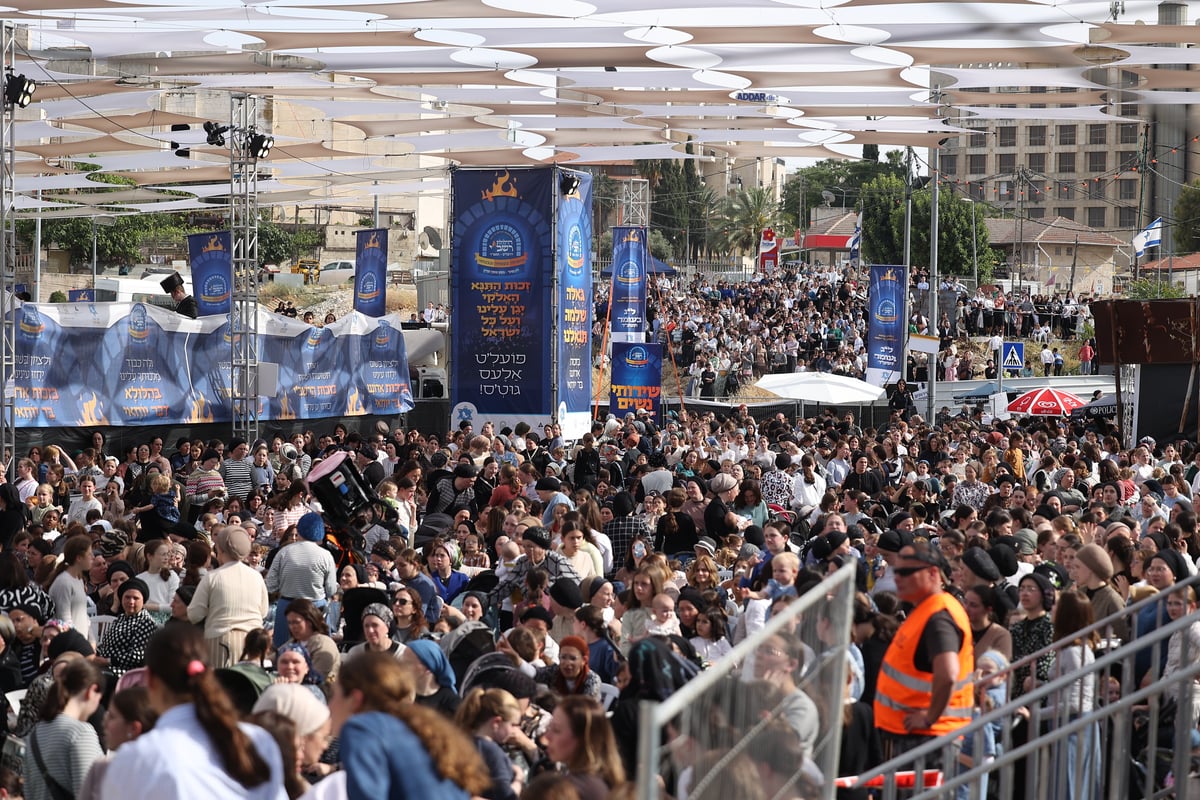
455, 492
185, 304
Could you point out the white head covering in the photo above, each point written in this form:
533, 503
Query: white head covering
295, 702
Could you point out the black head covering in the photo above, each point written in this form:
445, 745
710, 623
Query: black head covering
655, 671
623, 504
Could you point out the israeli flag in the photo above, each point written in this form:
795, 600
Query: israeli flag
1151, 237
856, 239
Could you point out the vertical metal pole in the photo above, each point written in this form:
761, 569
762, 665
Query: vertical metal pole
974, 255
243, 225
8, 259
37, 252
933, 268
648, 741
93, 254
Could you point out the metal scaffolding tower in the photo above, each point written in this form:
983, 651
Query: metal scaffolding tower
10, 100
244, 151
635, 202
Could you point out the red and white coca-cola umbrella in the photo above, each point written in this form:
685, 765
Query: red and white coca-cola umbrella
1045, 402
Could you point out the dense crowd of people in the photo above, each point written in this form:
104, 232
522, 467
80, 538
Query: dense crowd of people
191, 621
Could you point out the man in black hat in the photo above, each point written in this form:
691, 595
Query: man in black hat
185, 304
455, 492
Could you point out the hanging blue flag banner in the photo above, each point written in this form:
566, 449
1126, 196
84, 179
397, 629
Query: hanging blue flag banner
636, 378
630, 257
573, 272
885, 326
370, 271
211, 257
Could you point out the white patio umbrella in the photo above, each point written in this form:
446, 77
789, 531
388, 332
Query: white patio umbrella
820, 387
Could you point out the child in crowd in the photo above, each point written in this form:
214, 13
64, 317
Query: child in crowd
473, 556
711, 640
663, 621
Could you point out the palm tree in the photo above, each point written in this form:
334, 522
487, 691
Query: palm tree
742, 218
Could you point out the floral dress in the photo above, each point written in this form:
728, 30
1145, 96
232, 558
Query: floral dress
1028, 637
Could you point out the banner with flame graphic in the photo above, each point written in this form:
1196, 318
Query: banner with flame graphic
501, 282
636, 379
573, 273
211, 257
370, 272
885, 326
86, 364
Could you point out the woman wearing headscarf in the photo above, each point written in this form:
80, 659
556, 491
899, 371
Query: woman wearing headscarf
655, 673
377, 620
444, 563
294, 664
309, 716
123, 645
436, 683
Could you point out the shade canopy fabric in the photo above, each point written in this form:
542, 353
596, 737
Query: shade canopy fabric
820, 387
1104, 406
378, 86
1045, 402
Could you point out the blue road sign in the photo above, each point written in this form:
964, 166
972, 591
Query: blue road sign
1012, 356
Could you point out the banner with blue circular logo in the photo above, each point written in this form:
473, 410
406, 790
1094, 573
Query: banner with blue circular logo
631, 255
501, 279
573, 274
370, 271
211, 257
885, 327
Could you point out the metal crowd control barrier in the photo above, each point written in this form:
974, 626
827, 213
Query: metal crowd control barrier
1053, 759
706, 726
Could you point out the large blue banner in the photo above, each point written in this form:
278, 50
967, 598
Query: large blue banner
211, 256
573, 257
136, 364
500, 295
630, 258
636, 378
370, 272
885, 326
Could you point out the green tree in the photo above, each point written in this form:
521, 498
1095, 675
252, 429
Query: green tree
1186, 229
1153, 289
659, 246
739, 225
881, 242
843, 177
954, 233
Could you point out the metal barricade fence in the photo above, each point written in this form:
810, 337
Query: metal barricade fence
1117, 750
701, 736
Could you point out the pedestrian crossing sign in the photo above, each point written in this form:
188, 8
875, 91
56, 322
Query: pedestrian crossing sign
1013, 355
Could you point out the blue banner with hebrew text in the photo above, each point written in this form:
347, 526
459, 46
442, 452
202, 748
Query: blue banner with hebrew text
636, 378
370, 272
631, 255
573, 272
885, 325
135, 364
211, 257
500, 295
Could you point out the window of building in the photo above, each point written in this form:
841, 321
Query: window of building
1126, 217
1097, 189
1127, 133
1007, 135
1098, 134
1036, 212
1096, 216
1066, 212
977, 163
1126, 160
978, 139
1006, 163
1066, 191
1097, 161
949, 165
1037, 135
1066, 163
976, 190
1066, 135
1036, 162
1004, 190
1127, 189
1128, 109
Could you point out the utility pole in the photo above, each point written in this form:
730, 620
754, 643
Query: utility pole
1143, 171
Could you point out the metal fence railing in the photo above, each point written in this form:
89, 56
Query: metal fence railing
1136, 743
703, 735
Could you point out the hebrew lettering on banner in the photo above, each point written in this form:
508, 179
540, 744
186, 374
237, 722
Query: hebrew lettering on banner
501, 290
630, 259
133, 364
885, 327
636, 379
573, 274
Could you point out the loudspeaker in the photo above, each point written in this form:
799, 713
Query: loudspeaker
432, 387
431, 383
339, 487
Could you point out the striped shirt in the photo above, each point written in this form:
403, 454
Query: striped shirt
67, 747
239, 480
202, 483
303, 570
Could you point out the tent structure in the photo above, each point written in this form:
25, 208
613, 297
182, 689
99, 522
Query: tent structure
820, 387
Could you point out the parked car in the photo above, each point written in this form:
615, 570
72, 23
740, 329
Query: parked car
335, 272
